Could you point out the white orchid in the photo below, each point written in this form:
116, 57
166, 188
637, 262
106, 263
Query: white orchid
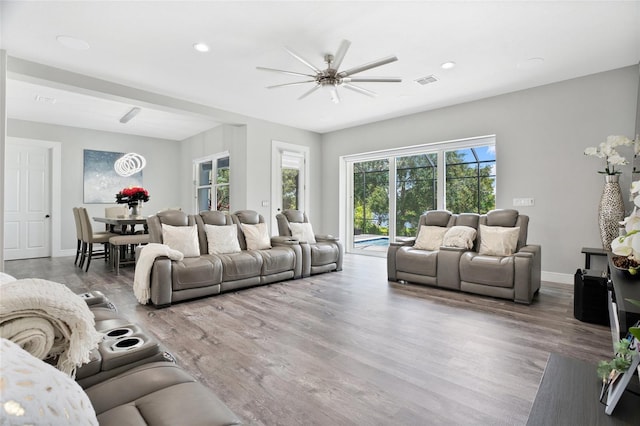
607, 151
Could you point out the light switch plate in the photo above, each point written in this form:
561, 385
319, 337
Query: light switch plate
523, 202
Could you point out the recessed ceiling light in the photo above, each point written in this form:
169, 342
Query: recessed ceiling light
72, 42
448, 65
201, 47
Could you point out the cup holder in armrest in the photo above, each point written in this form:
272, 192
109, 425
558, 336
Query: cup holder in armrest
127, 343
118, 333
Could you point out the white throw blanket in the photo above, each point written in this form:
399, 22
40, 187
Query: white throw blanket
142, 277
48, 320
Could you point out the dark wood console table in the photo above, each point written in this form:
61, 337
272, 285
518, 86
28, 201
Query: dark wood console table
569, 395
623, 314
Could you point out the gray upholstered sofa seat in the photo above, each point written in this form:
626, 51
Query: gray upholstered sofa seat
515, 276
322, 255
213, 273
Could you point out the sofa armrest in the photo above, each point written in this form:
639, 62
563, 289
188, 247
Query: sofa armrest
527, 273
449, 267
326, 238
403, 241
161, 284
284, 241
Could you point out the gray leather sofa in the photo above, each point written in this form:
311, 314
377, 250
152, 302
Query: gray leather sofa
323, 255
145, 387
515, 277
209, 274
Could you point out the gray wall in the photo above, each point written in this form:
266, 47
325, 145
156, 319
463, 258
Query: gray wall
160, 176
541, 134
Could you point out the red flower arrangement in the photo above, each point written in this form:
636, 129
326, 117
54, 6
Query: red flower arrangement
132, 195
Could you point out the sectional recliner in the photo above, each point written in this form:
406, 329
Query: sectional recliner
513, 276
214, 273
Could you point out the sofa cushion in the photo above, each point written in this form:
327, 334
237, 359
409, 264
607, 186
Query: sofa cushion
488, 270
416, 261
239, 266
430, 237
498, 240
222, 239
182, 238
302, 232
277, 259
459, 236
324, 253
256, 236
195, 272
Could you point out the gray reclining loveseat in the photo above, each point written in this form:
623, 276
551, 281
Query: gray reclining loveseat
475, 269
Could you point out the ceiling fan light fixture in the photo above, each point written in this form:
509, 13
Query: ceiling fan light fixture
332, 89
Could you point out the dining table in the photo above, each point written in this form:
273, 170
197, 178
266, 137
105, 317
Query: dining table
127, 225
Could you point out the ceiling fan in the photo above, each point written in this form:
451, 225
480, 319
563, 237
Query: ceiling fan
331, 78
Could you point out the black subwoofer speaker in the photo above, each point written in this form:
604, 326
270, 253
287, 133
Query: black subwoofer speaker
590, 297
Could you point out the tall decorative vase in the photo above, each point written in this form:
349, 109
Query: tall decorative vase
610, 211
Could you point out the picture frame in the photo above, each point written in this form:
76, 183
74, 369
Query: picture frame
101, 183
613, 389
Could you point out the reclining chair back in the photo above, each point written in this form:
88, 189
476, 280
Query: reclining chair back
436, 218
287, 217
507, 218
210, 217
248, 217
167, 217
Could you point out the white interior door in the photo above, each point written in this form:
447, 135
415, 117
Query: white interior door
289, 171
27, 202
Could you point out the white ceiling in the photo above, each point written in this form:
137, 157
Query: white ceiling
148, 45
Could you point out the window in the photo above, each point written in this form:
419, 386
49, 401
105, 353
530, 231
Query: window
212, 183
390, 190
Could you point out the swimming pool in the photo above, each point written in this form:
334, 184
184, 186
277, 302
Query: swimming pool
380, 242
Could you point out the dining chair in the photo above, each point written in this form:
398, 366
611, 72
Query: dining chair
76, 218
128, 242
120, 210
89, 238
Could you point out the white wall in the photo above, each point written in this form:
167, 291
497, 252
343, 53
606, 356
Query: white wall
160, 176
541, 134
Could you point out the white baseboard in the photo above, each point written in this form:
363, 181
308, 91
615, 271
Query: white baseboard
557, 277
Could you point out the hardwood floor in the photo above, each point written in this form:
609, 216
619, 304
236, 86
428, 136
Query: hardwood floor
350, 347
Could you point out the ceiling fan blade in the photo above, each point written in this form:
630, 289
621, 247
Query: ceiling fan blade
340, 53
307, 93
368, 66
372, 80
291, 84
285, 72
301, 59
360, 90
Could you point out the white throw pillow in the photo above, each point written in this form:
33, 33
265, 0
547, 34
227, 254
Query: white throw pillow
430, 237
498, 240
222, 239
34, 392
182, 238
459, 236
256, 236
303, 232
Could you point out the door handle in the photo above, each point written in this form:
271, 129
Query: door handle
47, 216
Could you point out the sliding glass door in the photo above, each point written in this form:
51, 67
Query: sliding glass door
388, 191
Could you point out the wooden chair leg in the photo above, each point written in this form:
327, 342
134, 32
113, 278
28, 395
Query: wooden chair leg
116, 258
78, 248
83, 254
89, 256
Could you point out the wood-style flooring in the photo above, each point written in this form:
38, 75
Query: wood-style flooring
351, 348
